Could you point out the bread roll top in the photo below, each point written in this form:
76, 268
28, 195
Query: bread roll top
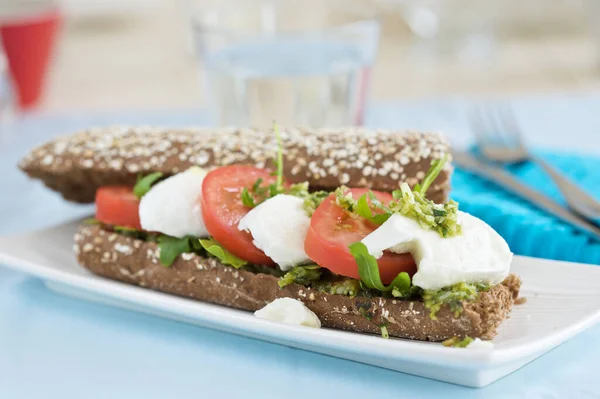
78, 164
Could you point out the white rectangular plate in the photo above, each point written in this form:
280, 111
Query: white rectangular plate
557, 308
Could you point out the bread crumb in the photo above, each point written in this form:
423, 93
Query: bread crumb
520, 300
187, 256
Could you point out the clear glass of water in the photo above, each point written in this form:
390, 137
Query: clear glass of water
295, 62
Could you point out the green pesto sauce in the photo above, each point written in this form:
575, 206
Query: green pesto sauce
321, 280
452, 296
456, 342
442, 218
313, 200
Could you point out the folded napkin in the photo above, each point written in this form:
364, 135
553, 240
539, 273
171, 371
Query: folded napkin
527, 230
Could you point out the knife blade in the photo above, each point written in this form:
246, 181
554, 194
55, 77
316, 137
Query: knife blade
505, 180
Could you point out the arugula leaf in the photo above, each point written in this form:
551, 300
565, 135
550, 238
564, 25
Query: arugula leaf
247, 198
401, 287
362, 207
226, 257
258, 193
256, 185
172, 247
434, 170
368, 270
143, 185
380, 218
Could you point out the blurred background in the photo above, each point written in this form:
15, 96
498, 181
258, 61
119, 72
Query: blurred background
146, 54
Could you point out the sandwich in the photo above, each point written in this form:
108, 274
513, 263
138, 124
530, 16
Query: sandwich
350, 229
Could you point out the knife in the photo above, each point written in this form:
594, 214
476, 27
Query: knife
505, 180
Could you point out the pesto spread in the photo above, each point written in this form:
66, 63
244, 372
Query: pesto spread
456, 342
451, 296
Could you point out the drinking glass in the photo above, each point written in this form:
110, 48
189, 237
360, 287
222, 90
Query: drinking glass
293, 62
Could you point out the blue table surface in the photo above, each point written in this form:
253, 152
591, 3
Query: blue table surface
57, 347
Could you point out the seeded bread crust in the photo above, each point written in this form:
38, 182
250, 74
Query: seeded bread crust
132, 261
78, 164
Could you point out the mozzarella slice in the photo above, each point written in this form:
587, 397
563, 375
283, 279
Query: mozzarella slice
172, 206
278, 227
479, 254
289, 311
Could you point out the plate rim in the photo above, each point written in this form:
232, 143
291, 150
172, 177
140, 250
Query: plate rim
335, 339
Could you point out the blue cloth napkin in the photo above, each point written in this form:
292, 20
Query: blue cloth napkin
528, 230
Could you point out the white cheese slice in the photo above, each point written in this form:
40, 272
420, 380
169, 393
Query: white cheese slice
278, 227
289, 311
479, 254
172, 206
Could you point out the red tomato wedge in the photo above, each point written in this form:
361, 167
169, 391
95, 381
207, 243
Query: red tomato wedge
332, 230
118, 206
222, 209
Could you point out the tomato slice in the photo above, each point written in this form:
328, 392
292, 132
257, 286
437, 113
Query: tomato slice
118, 206
332, 230
222, 209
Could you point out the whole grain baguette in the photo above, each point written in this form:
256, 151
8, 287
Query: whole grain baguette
133, 261
77, 165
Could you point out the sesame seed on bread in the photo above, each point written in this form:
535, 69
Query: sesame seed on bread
133, 261
78, 164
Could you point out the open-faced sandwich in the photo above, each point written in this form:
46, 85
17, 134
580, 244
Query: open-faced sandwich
346, 228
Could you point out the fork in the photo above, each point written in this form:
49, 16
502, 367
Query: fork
500, 139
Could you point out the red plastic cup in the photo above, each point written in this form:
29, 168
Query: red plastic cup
28, 37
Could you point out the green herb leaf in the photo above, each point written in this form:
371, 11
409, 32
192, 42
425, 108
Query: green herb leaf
256, 185
226, 257
380, 218
91, 221
433, 172
143, 185
362, 207
368, 270
171, 248
274, 189
247, 198
259, 193
401, 287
